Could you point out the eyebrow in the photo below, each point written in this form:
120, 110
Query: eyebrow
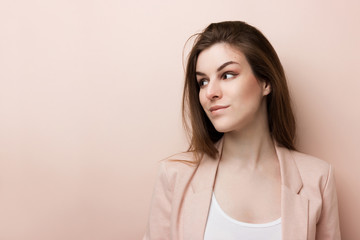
219, 68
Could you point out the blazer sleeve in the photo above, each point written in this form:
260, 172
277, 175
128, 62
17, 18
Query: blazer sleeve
328, 224
158, 225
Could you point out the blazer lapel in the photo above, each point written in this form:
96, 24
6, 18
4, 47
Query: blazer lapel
294, 207
199, 196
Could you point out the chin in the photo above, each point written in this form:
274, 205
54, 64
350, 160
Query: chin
223, 128
228, 126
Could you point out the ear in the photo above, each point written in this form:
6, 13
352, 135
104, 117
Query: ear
266, 87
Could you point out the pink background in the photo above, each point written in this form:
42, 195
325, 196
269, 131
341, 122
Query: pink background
90, 96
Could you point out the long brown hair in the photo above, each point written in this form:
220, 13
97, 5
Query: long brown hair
265, 65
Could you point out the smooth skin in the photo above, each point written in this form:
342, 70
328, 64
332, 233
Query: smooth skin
248, 181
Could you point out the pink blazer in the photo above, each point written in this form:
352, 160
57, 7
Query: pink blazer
182, 197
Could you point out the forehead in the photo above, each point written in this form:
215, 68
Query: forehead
219, 53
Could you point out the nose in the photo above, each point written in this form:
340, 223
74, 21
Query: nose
213, 90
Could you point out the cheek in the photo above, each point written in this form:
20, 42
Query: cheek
252, 91
202, 99
249, 93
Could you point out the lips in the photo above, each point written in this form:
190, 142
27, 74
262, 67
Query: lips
216, 107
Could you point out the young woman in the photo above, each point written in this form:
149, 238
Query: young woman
241, 177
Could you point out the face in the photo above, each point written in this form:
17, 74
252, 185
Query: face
230, 95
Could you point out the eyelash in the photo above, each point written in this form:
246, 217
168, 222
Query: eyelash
222, 76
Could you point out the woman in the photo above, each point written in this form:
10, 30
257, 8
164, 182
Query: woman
241, 177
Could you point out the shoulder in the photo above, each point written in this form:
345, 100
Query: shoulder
319, 188
315, 172
177, 168
310, 164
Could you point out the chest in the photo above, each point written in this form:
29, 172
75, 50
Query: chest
249, 197
220, 226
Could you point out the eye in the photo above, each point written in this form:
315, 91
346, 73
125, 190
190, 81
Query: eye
228, 75
202, 82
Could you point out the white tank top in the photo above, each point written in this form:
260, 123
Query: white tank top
221, 226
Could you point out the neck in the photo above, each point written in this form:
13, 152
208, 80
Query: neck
250, 148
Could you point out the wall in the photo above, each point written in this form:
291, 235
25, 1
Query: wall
90, 96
